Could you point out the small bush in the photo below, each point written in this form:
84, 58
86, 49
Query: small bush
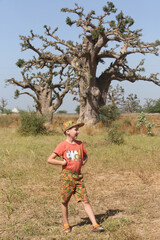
114, 135
107, 114
31, 123
7, 111
142, 121
149, 128
62, 112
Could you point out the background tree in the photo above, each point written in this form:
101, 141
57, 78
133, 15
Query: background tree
149, 102
153, 107
77, 110
47, 94
103, 39
100, 39
3, 104
108, 39
131, 104
115, 96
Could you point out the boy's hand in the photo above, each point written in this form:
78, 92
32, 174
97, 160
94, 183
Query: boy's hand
85, 158
84, 162
64, 163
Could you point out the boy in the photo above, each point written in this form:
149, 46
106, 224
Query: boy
74, 157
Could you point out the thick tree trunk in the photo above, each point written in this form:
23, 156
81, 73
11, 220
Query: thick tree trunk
44, 103
89, 106
90, 101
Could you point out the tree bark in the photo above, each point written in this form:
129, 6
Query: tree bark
44, 102
91, 99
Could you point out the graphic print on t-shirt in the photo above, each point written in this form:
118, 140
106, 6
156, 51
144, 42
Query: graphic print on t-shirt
74, 155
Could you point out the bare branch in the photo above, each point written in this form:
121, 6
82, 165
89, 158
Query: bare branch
29, 94
20, 84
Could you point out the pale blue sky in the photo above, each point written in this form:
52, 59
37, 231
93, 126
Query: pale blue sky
18, 17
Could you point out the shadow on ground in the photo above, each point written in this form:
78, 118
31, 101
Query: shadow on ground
99, 217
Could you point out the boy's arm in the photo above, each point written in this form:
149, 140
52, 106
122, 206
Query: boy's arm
85, 158
52, 160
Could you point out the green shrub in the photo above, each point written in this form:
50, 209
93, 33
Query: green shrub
62, 112
114, 135
142, 121
149, 128
31, 123
7, 111
107, 114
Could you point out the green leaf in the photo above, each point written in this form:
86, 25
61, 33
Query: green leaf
94, 34
20, 63
112, 24
63, 10
69, 21
101, 29
16, 94
157, 43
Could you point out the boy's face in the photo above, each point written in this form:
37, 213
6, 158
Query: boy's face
73, 132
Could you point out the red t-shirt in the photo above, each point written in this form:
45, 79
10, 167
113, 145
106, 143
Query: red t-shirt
72, 153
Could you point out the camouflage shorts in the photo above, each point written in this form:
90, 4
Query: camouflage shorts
72, 184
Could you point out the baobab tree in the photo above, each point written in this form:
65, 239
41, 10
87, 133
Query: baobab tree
47, 94
101, 39
106, 39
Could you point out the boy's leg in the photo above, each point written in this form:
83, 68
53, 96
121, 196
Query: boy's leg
81, 196
64, 207
89, 211
66, 193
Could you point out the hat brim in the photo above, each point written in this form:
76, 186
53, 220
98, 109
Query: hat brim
75, 125
78, 125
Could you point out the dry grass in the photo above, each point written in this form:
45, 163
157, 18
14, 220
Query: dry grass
9, 120
122, 183
128, 123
